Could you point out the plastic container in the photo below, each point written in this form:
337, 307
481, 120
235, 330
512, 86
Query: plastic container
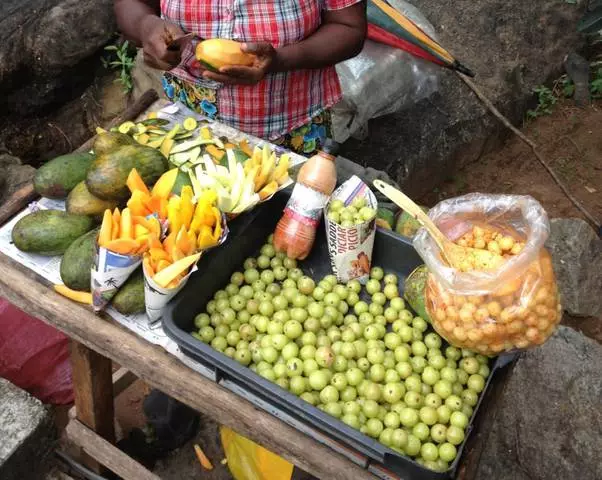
296, 230
390, 251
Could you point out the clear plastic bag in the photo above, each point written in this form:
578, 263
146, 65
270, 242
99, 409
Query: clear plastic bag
515, 306
382, 80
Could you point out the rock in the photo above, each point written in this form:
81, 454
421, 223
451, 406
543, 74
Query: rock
512, 46
577, 256
549, 417
12, 175
27, 432
145, 77
47, 50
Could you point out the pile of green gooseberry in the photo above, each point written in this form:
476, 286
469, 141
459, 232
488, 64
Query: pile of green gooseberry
372, 364
357, 212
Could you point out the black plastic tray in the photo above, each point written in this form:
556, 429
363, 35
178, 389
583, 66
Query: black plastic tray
247, 234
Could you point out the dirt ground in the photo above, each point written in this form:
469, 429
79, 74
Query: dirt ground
571, 141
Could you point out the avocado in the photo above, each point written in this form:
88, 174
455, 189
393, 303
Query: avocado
81, 202
49, 232
78, 261
56, 178
130, 297
108, 174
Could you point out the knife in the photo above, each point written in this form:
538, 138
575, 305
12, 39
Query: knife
179, 42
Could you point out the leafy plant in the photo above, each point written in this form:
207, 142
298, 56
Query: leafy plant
568, 87
545, 101
121, 58
595, 87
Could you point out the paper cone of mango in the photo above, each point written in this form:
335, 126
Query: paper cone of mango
241, 185
192, 228
122, 240
125, 236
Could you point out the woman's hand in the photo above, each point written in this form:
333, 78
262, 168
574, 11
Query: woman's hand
265, 59
157, 34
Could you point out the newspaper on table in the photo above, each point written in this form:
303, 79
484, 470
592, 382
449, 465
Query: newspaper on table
111, 270
49, 267
350, 248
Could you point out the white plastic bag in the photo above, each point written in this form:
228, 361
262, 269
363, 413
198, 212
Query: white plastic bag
382, 80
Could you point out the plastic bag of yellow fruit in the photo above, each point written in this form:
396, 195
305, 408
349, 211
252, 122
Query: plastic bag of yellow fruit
512, 307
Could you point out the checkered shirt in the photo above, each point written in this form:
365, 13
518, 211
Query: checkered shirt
282, 101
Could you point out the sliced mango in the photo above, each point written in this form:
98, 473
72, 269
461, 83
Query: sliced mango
183, 242
134, 182
173, 214
148, 268
217, 154
140, 231
75, 295
123, 246
186, 206
115, 231
162, 265
104, 236
127, 227
136, 204
244, 146
165, 183
269, 190
170, 241
164, 277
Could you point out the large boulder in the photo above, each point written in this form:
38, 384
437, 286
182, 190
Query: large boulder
548, 417
47, 50
13, 175
27, 434
576, 253
512, 46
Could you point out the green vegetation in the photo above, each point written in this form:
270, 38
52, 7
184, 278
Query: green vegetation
121, 58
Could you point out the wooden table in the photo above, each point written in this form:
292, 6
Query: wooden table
97, 341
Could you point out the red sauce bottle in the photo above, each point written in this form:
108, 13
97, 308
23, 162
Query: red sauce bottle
296, 230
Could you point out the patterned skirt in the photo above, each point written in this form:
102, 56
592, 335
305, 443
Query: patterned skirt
304, 140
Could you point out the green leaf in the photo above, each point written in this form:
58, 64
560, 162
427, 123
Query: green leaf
591, 22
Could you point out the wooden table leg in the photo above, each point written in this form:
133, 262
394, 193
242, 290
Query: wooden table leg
93, 389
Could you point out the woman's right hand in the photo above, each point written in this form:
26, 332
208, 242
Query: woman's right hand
156, 35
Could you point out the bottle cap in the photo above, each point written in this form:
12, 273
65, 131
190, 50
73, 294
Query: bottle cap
330, 147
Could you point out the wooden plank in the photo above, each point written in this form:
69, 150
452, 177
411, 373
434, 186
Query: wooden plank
26, 194
107, 454
162, 371
122, 379
93, 391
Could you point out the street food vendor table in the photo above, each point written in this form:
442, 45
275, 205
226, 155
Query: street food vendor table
98, 340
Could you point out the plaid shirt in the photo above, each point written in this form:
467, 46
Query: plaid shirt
282, 101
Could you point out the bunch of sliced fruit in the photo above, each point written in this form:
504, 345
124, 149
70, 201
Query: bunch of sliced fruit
191, 228
168, 263
201, 223
127, 234
240, 186
143, 201
183, 144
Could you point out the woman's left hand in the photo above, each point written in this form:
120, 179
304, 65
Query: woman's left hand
265, 56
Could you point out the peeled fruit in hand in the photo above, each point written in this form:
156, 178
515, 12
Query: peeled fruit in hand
217, 52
